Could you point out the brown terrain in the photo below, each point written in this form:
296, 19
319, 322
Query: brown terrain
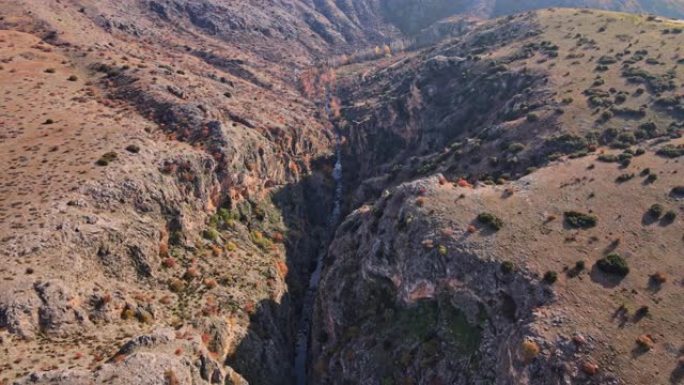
166, 188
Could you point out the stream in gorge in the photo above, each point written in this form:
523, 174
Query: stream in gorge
304, 325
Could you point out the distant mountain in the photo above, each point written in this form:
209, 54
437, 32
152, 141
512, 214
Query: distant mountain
668, 8
413, 15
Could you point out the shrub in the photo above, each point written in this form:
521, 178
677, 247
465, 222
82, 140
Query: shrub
590, 368
655, 211
606, 115
106, 158
530, 350
613, 264
580, 265
624, 178
50, 71
144, 316
133, 148
210, 234
48, 121
231, 246
642, 312
516, 147
169, 262
171, 378
669, 216
490, 220
671, 151
608, 158
127, 313
191, 273
651, 178
532, 117
507, 267
579, 220
659, 278
550, 277
645, 342
260, 240
677, 191
72, 78
607, 60
210, 283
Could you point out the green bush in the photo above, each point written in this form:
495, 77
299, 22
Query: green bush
490, 220
624, 177
507, 267
656, 211
579, 220
608, 158
670, 216
613, 264
532, 117
516, 147
550, 277
671, 151
210, 234
106, 158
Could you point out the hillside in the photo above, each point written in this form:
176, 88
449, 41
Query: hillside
172, 175
670, 8
496, 171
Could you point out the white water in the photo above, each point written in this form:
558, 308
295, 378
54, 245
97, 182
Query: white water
304, 327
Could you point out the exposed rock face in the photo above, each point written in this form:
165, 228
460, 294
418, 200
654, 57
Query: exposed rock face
149, 360
403, 298
437, 98
174, 210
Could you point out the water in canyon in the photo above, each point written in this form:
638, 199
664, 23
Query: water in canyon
304, 326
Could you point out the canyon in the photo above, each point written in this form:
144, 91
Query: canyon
341, 192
